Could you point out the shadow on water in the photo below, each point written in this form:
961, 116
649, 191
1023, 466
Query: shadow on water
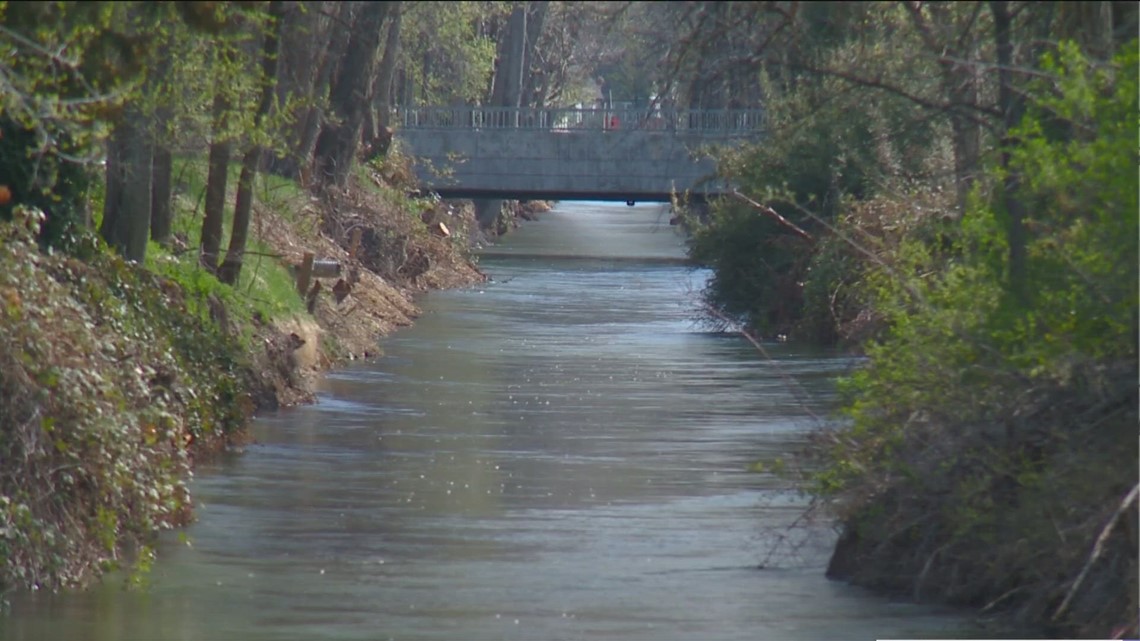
560, 454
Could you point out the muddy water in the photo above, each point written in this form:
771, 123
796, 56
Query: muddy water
558, 454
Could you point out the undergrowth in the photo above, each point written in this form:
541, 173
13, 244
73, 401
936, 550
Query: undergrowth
989, 456
110, 386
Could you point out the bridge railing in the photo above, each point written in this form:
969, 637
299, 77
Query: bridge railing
724, 122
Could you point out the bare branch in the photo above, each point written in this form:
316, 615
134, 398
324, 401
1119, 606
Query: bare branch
927, 103
774, 215
1098, 549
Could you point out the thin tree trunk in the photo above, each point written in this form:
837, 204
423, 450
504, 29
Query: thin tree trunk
162, 162
239, 234
295, 77
383, 93
217, 176
304, 40
230, 269
965, 131
377, 135
113, 187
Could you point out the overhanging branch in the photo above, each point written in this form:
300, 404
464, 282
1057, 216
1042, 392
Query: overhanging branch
774, 215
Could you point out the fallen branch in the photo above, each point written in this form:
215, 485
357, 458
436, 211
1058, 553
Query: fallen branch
774, 215
1098, 549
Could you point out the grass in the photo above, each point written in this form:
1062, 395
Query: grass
266, 286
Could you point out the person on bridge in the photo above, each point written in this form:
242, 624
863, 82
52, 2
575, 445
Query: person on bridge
614, 122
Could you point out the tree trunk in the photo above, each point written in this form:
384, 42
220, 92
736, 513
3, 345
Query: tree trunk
231, 267
338, 141
383, 95
1091, 25
126, 208
217, 176
507, 92
535, 19
299, 47
309, 120
162, 162
113, 191
377, 132
515, 67
1010, 106
307, 35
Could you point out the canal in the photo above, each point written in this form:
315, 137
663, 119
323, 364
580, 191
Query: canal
557, 454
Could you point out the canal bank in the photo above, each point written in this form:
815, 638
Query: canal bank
556, 454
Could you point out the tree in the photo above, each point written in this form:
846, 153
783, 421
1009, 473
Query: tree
130, 153
382, 92
339, 137
231, 266
139, 159
217, 175
126, 206
988, 420
68, 70
564, 65
311, 44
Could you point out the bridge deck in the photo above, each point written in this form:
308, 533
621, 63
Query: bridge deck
567, 154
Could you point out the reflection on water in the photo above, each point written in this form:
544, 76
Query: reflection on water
558, 454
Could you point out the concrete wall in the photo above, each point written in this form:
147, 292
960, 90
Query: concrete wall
560, 164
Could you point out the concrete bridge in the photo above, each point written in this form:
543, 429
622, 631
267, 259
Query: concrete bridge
570, 154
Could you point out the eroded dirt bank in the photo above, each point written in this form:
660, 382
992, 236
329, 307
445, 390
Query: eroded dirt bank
388, 257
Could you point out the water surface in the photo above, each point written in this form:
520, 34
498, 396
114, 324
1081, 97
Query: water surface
558, 454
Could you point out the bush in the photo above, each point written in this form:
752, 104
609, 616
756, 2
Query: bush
109, 386
992, 435
822, 155
42, 180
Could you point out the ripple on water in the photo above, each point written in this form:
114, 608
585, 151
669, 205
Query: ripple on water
559, 454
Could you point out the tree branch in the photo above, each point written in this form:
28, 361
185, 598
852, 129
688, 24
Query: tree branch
898, 91
1098, 549
774, 215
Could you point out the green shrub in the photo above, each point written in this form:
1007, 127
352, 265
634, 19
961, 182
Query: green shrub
108, 385
822, 153
992, 435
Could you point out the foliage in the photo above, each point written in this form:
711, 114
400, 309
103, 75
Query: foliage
114, 374
266, 289
446, 54
992, 436
826, 150
108, 383
755, 265
56, 86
